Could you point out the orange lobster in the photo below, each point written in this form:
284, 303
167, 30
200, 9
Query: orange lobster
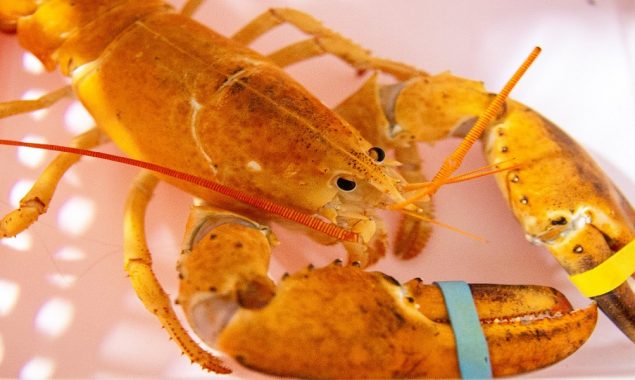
378, 178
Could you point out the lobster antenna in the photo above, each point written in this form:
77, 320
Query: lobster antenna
255, 201
444, 225
453, 161
468, 176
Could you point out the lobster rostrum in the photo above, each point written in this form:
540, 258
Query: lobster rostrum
229, 114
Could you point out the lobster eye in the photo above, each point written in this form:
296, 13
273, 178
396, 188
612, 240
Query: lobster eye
345, 184
377, 154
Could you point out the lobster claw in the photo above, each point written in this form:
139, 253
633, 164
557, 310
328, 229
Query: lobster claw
343, 322
565, 202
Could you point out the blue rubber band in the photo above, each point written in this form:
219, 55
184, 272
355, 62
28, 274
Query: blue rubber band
471, 346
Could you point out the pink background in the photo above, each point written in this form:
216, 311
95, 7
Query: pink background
584, 81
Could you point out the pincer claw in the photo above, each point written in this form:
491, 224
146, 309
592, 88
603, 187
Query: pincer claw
564, 201
343, 322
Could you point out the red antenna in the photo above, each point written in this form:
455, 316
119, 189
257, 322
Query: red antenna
258, 202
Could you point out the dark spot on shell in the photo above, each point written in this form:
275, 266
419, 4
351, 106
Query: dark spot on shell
213, 237
70, 64
599, 187
285, 275
504, 149
410, 299
578, 249
561, 221
238, 244
400, 318
236, 88
356, 264
515, 178
212, 289
310, 267
236, 70
391, 279
337, 262
524, 200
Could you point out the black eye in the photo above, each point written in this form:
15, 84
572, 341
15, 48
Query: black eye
377, 154
345, 184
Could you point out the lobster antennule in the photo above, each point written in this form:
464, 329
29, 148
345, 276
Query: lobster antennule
255, 201
444, 225
468, 176
477, 173
426, 188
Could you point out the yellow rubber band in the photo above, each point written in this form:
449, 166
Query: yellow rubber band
608, 275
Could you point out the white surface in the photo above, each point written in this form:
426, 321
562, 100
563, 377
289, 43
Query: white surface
584, 81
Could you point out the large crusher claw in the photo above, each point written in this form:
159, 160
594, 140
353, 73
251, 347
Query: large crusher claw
343, 322
564, 201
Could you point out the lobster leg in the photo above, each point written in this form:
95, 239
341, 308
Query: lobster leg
413, 233
37, 200
138, 265
23, 106
323, 41
223, 266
